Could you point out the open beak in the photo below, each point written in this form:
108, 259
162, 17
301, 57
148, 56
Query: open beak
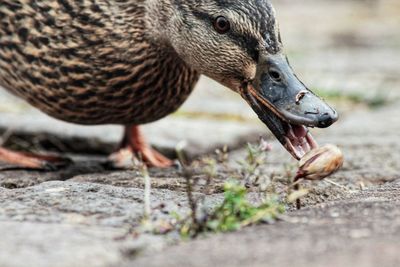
286, 106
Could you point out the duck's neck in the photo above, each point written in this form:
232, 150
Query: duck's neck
159, 14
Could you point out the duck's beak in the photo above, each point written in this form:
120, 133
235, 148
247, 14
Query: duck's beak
286, 106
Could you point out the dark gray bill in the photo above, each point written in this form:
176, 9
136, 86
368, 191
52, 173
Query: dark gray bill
286, 106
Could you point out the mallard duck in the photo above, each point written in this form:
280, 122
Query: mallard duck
132, 62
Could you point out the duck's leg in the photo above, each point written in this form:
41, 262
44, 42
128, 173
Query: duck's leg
32, 161
134, 145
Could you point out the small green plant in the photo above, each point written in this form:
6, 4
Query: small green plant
235, 211
251, 166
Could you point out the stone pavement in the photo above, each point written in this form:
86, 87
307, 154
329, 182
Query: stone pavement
87, 215
87, 221
361, 230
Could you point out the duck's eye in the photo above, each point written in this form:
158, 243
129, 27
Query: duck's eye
222, 25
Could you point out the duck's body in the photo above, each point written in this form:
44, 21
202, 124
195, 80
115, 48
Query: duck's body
132, 62
89, 62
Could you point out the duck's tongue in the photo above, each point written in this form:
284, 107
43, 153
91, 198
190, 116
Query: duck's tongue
299, 140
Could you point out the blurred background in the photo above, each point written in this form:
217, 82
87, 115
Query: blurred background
347, 51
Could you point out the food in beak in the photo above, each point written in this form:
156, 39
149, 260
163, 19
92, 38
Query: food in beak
320, 163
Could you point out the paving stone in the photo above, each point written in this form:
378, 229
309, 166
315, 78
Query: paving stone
82, 203
12, 178
81, 224
78, 224
63, 245
361, 230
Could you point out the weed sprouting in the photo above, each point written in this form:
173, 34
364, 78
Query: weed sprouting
235, 211
250, 170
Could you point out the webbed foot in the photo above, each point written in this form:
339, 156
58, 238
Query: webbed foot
25, 160
133, 147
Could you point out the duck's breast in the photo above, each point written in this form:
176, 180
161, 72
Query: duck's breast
81, 63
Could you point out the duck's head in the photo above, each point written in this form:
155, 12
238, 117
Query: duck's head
238, 44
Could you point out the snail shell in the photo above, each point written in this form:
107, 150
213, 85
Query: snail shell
320, 163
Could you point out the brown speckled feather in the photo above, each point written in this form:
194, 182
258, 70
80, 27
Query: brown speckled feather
89, 61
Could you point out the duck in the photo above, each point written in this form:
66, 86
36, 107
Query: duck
133, 62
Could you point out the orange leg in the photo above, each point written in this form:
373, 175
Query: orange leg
133, 145
32, 161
